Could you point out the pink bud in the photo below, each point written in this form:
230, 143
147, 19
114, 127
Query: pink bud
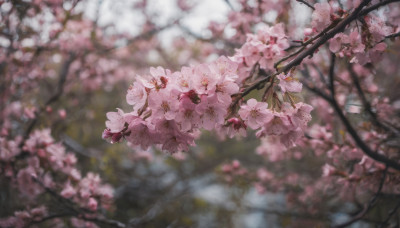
235, 164
308, 31
92, 204
62, 113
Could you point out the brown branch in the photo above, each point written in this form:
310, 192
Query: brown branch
60, 89
253, 86
306, 3
338, 28
78, 212
376, 6
394, 35
229, 4
321, 39
371, 203
391, 213
366, 103
49, 217
331, 75
360, 143
318, 217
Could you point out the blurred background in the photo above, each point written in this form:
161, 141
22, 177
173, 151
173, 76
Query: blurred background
100, 46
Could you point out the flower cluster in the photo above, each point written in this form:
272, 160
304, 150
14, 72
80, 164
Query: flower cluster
170, 107
233, 170
321, 16
48, 165
365, 47
263, 48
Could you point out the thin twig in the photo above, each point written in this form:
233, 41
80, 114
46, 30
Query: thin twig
391, 213
331, 33
60, 88
331, 74
81, 213
392, 35
306, 3
366, 103
360, 143
369, 205
376, 6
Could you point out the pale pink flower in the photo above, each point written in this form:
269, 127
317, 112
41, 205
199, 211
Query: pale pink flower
264, 175
355, 42
279, 124
271, 148
335, 44
225, 87
62, 113
92, 204
68, 191
328, 170
116, 121
204, 81
302, 115
288, 84
171, 138
187, 117
141, 134
26, 184
236, 127
321, 16
182, 81
255, 114
211, 112
164, 104
56, 155
136, 95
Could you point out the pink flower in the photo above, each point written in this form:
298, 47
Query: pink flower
136, 95
116, 121
62, 113
328, 170
92, 204
302, 115
335, 44
141, 134
321, 16
288, 84
279, 124
182, 81
171, 138
68, 191
271, 148
211, 112
164, 104
56, 155
204, 80
225, 88
236, 127
355, 42
263, 175
255, 114
187, 116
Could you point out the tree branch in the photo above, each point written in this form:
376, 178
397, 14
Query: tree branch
80, 213
306, 3
338, 28
369, 206
360, 143
376, 6
60, 88
366, 104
